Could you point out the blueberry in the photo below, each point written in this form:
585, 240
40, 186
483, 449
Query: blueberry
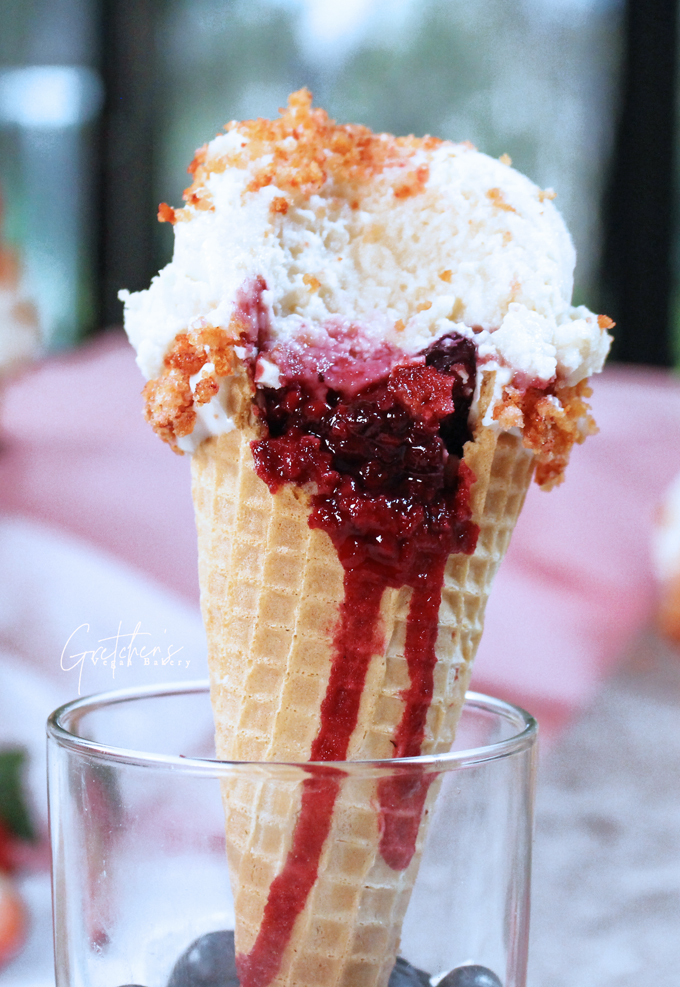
208, 962
405, 975
470, 976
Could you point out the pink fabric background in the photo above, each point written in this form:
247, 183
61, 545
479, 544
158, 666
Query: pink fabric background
575, 586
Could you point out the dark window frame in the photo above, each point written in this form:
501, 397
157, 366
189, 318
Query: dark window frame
640, 215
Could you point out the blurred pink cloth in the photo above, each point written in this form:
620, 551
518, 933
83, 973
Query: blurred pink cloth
77, 454
577, 582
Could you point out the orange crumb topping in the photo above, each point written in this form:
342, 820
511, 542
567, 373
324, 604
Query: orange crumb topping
498, 199
198, 159
446, 276
199, 198
169, 400
423, 307
312, 283
547, 193
399, 325
321, 151
166, 214
279, 205
552, 422
604, 322
505, 159
205, 390
414, 182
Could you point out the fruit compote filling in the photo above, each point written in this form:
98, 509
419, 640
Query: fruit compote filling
390, 488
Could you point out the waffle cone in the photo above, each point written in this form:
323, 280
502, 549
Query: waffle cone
270, 588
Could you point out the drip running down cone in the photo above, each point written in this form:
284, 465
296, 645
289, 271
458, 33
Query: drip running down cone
367, 344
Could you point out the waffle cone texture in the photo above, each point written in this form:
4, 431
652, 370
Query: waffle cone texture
270, 591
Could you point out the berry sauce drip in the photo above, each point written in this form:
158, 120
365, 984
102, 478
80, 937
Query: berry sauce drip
393, 494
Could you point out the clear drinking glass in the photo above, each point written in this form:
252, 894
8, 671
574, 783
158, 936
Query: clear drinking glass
140, 868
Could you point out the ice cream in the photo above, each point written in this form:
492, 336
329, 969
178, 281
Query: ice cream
368, 345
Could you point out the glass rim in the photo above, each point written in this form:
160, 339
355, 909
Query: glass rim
70, 714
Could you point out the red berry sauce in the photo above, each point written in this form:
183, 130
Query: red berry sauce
393, 494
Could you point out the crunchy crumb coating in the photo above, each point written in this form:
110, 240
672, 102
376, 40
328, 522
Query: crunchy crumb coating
498, 199
552, 420
170, 402
322, 151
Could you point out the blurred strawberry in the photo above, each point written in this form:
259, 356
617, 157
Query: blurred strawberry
13, 920
16, 835
7, 848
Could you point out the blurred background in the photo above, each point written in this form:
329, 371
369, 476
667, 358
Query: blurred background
102, 104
